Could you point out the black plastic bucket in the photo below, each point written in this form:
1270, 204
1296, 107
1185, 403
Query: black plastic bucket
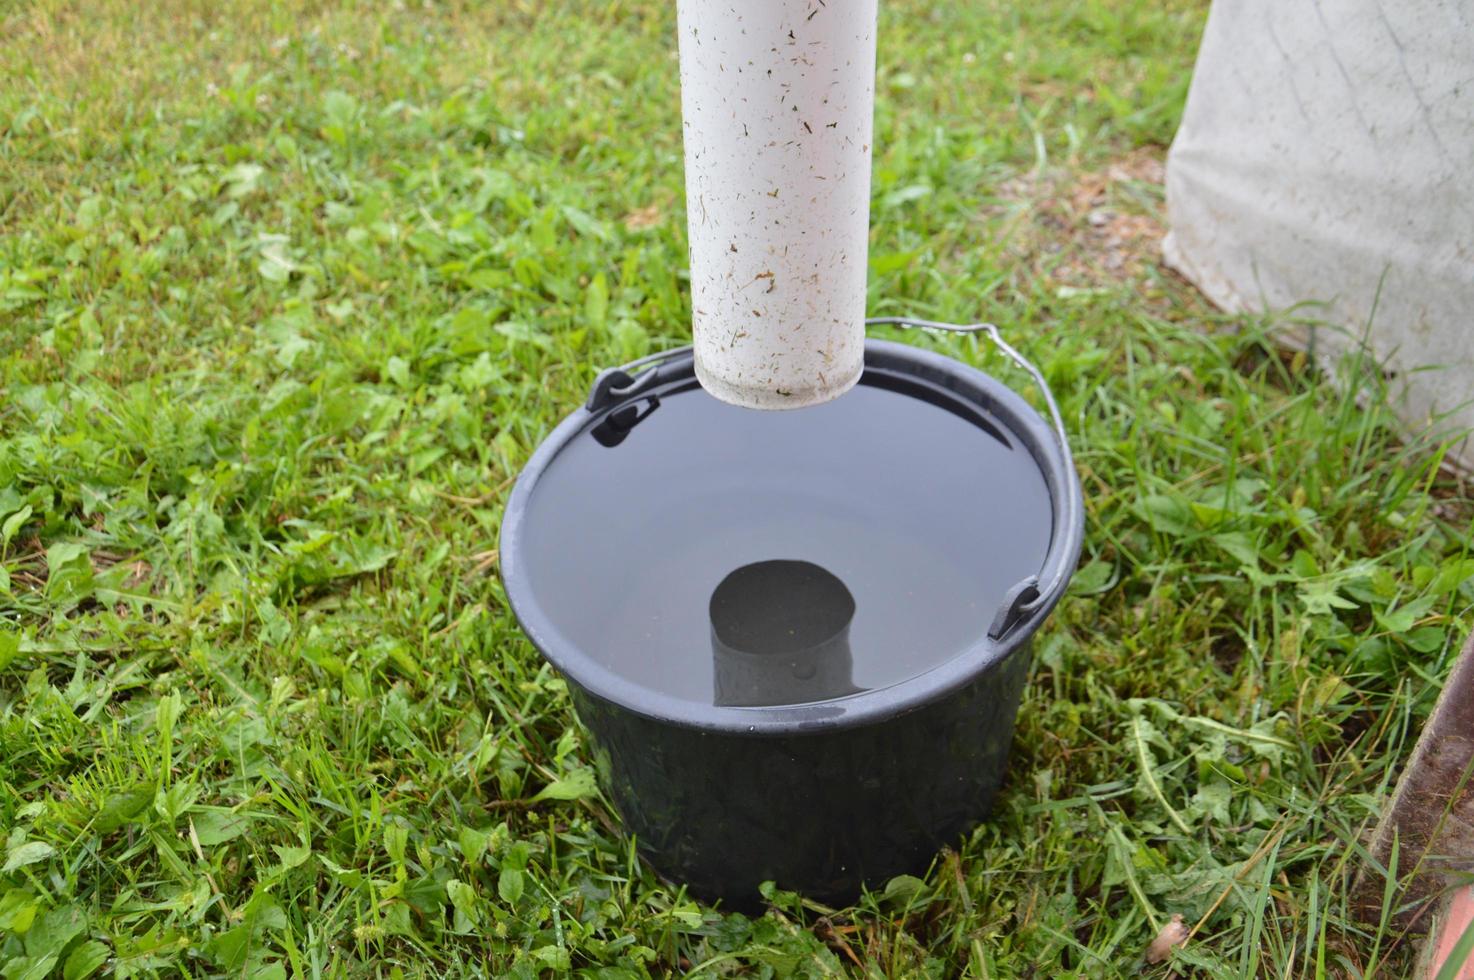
797, 639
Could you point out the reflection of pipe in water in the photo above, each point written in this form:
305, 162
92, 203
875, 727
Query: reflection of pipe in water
780, 634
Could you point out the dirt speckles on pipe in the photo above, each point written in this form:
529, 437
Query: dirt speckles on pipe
777, 98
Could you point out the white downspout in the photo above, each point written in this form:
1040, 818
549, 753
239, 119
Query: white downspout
777, 99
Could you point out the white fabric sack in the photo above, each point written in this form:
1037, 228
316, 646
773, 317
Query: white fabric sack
1326, 156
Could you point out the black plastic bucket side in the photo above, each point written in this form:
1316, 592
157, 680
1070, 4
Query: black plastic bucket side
820, 813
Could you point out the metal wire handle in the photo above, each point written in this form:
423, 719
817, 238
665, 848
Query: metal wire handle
612, 388
1008, 350
617, 384
1028, 595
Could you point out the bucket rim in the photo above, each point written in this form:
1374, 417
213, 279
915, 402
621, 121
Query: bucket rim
969, 385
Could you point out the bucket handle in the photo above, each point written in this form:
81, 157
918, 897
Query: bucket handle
619, 383
1026, 596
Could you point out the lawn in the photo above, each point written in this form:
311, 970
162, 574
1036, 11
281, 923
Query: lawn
289, 293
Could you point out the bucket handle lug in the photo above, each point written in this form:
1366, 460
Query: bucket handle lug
619, 384
1014, 607
1025, 597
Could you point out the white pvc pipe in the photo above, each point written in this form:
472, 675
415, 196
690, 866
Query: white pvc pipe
777, 98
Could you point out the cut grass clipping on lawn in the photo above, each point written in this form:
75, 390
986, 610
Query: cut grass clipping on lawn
288, 295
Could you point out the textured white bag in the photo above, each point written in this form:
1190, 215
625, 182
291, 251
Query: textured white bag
1326, 155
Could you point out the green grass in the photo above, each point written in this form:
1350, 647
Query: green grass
287, 296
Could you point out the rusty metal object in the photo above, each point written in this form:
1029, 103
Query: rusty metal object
1431, 816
